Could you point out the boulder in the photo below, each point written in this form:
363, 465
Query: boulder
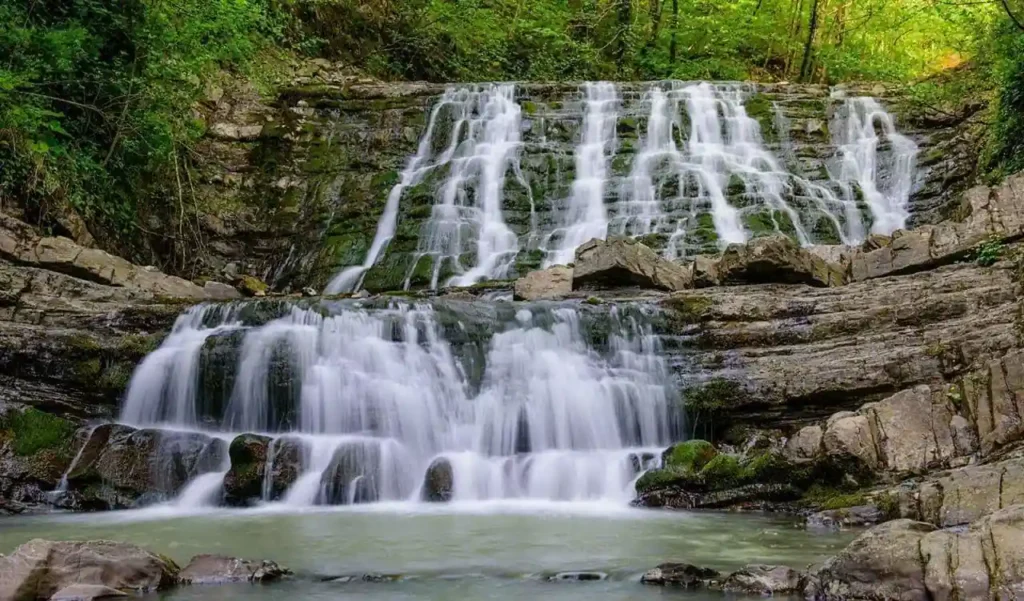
770, 260
625, 263
439, 481
882, 563
913, 561
546, 284
353, 475
252, 286
851, 436
963, 495
220, 291
86, 592
679, 574
763, 580
39, 569
248, 481
805, 445
911, 431
220, 569
847, 517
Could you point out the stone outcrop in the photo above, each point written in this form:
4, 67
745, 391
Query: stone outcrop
221, 569
38, 569
755, 579
252, 455
19, 244
439, 481
86, 592
547, 284
963, 495
625, 263
774, 355
913, 561
771, 259
353, 476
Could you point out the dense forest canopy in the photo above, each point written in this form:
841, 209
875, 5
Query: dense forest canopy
96, 96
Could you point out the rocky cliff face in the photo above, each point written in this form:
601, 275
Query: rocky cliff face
297, 184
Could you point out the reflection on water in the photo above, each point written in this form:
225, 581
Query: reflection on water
494, 550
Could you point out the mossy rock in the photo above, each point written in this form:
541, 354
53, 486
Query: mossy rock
31, 431
690, 456
252, 286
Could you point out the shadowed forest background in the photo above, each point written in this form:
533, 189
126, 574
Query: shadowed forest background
97, 97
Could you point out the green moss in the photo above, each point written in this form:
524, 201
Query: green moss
32, 431
660, 478
690, 456
888, 504
117, 376
714, 395
87, 370
529, 107
82, 342
768, 467
689, 308
252, 285
827, 497
138, 345
723, 471
593, 300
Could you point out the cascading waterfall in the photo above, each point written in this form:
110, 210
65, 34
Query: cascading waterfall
585, 216
466, 219
375, 396
861, 152
698, 175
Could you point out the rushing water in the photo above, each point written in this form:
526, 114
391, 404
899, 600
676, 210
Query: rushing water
480, 551
699, 174
536, 409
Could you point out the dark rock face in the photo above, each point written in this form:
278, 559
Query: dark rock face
439, 481
252, 455
353, 475
679, 574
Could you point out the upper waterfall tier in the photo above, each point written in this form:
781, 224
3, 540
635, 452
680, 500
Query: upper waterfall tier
501, 182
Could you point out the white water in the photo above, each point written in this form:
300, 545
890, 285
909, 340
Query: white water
378, 395
861, 127
699, 175
585, 216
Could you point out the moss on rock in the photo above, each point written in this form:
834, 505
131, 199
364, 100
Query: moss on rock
690, 456
32, 431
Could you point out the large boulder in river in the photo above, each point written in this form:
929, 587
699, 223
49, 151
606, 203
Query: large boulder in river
221, 569
252, 457
768, 260
626, 263
354, 474
40, 568
121, 466
912, 561
439, 481
679, 574
546, 284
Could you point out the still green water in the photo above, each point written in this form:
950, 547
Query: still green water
496, 551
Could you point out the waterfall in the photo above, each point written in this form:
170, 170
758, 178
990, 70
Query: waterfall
585, 216
697, 174
862, 153
466, 220
376, 395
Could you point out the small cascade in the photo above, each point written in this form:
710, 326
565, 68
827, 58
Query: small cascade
372, 397
585, 216
640, 210
866, 139
466, 221
62, 485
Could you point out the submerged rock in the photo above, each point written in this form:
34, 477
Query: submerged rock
547, 284
625, 263
39, 568
763, 580
847, 517
679, 574
577, 577
439, 481
221, 569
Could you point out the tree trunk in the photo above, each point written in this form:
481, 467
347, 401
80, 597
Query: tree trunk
672, 45
625, 10
809, 46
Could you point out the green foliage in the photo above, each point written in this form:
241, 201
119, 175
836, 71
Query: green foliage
32, 431
690, 456
827, 497
1004, 153
989, 251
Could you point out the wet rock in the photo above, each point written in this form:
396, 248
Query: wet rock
679, 574
86, 592
439, 481
39, 568
220, 569
771, 259
546, 284
577, 577
353, 475
847, 517
624, 263
243, 484
763, 580
252, 286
